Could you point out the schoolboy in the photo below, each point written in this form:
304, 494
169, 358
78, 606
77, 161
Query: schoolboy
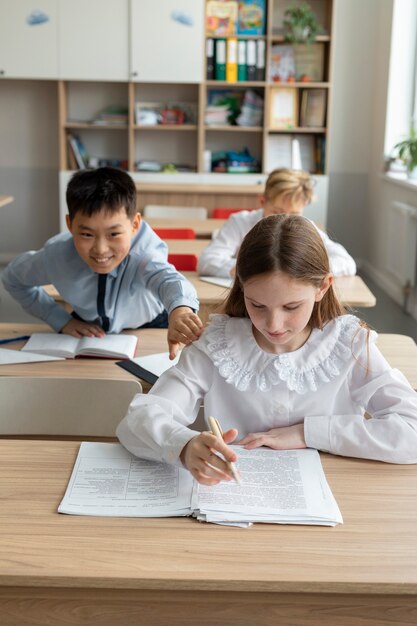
111, 268
286, 191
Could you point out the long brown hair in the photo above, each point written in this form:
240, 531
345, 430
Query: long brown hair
291, 244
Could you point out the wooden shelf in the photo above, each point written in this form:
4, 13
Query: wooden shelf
298, 129
89, 125
242, 83
165, 127
235, 129
281, 39
302, 85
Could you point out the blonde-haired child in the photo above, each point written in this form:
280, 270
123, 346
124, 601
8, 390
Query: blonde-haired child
286, 191
284, 367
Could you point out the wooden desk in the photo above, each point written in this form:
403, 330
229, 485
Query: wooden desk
399, 350
203, 228
187, 246
59, 570
151, 341
5, 200
352, 292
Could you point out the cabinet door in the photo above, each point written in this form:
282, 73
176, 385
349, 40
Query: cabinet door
167, 39
28, 39
93, 40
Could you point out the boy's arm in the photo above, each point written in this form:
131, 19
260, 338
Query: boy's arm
23, 278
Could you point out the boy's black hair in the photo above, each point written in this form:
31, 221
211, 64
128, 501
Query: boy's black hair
90, 191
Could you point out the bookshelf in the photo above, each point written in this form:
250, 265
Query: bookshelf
187, 143
138, 144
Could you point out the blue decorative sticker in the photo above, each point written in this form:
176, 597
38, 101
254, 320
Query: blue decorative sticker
37, 17
182, 17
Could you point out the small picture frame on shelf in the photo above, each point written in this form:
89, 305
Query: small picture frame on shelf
283, 108
313, 108
309, 62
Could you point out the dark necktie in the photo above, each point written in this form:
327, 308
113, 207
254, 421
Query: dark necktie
101, 294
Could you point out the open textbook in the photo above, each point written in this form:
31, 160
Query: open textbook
278, 487
54, 344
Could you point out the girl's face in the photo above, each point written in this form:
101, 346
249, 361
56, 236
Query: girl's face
280, 309
282, 204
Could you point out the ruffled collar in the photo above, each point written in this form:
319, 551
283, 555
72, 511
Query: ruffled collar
230, 344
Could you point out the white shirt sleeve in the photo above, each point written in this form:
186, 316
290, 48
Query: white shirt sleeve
157, 424
388, 433
220, 255
341, 263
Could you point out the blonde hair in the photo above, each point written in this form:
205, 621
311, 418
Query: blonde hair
291, 244
294, 184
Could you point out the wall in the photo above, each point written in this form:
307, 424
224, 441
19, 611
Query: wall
28, 164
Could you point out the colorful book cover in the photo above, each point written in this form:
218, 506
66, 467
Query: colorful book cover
251, 17
221, 18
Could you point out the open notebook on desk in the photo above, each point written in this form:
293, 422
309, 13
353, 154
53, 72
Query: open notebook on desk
277, 487
110, 346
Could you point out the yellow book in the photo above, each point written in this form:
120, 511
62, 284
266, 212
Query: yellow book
231, 60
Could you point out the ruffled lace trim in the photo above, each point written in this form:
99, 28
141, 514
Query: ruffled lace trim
280, 367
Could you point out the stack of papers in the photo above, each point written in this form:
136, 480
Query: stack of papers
278, 487
9, 357
56, 344
217, 280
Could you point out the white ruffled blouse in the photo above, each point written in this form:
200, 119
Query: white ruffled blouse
329, 383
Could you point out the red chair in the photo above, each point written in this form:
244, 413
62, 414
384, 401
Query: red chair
184, 262
175, 233
224, 214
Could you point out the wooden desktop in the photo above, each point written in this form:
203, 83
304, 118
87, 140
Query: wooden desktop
101, 571
399, 350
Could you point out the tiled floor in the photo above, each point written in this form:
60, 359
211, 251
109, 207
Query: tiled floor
385, 317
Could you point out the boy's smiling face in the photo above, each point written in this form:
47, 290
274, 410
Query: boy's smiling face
103, 239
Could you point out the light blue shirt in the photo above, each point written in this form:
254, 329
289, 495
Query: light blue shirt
137, 290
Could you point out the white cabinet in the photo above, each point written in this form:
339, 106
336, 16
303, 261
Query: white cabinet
166, 41
28, 39
93, 40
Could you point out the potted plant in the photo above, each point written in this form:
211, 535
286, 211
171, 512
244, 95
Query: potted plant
407, 152
301, 24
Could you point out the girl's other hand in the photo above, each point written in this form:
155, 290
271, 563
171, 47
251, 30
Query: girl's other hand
200, 458
285, 438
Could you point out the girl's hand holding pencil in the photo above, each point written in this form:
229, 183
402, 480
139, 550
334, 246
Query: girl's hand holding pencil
201, 457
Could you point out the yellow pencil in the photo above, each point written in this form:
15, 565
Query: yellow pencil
216, 430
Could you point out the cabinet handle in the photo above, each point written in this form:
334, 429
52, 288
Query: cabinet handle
2, 72
134, 73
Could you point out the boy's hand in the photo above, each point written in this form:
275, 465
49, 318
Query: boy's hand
184, 326
199, 457
77, 328
285, 438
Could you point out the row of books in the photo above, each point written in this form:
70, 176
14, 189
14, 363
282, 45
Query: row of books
235, 59
233, 17
79, 158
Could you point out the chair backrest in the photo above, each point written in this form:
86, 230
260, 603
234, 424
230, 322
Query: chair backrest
184, 262
156, 210
64, 406
223, 214
175, 233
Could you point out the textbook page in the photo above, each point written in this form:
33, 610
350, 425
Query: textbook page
9, 357
108, 480
278, 486
57, 344
156, 363
217, 280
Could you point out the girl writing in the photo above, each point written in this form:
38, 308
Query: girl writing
283, 367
